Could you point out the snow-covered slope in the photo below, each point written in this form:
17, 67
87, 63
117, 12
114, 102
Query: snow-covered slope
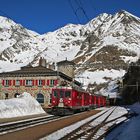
24, 105
18, 45
105, 45
119, 32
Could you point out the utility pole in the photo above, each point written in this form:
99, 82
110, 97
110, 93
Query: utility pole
137, 89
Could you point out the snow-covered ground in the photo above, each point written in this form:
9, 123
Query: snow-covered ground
129, 130
24, 105
62, 132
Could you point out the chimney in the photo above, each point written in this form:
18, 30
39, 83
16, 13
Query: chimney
42, 62
52, 66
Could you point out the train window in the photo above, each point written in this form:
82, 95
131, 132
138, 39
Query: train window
61, 93
55, 93
67, 94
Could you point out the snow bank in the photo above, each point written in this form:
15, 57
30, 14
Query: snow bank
24, 105
135, 108
130, 130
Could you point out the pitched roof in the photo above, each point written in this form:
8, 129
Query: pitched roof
29, 71
65, 62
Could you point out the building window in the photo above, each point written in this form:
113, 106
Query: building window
29, 83
40, 82
52, 82
7, 82
40, 98
17, 83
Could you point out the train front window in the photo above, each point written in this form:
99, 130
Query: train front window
67, 94
55, 93
61, 93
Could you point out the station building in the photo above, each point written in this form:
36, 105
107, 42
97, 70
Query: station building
38, 81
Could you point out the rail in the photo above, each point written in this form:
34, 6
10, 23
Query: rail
88, 131
22, 124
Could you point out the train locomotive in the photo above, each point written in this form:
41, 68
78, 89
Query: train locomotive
67, 100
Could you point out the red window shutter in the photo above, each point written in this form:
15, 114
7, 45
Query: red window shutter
23, 82
10, 82
36, 82
13, 82
3, 82
55, 82
43, 82
48, 82
33, 82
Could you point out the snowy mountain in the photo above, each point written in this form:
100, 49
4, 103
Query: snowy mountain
18, 46
102, 48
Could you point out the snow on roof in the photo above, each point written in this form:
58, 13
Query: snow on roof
23, 105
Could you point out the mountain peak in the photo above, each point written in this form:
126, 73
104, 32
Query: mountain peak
6, 22
127, 14
126, 18
123, 12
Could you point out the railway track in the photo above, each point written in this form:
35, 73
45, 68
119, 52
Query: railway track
95, 129
23, 124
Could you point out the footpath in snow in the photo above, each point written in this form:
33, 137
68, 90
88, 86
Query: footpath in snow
23, 105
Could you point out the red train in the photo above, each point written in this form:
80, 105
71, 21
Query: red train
68, 100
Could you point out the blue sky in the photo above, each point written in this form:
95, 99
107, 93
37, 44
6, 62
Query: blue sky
48, 15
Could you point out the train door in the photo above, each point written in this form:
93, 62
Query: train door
90, 100
61, 98
86, 100
99, 101
55, 97
104, 101
95, 101
83, 103
74, 98
80, 99
67, 97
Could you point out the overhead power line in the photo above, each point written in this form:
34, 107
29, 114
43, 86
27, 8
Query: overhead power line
75, 12
80, 5
78, 8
